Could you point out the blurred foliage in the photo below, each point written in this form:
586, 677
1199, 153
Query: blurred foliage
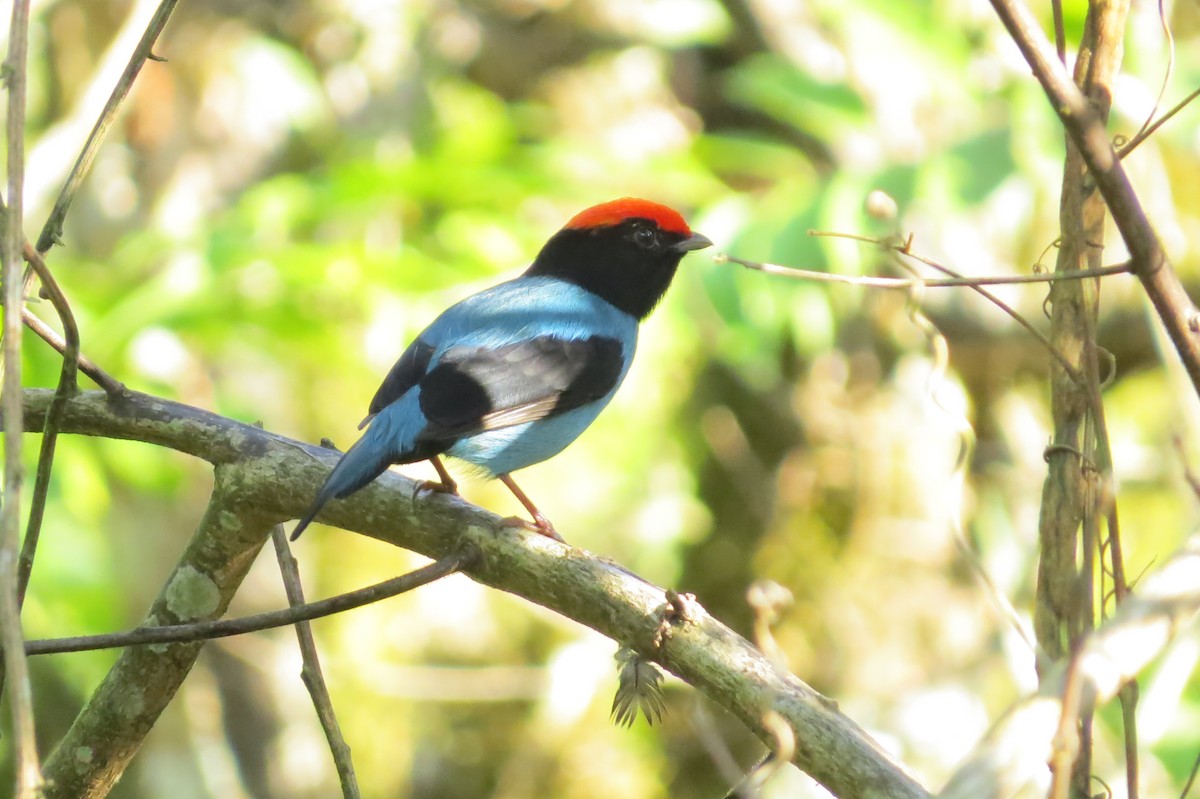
303, 186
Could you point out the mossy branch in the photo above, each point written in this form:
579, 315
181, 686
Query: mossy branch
263, 479
110, 729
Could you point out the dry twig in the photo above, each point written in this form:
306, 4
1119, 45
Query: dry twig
67, 387
1013, 755
310, 672
28, 770
1086, 130
1077, 487
223, 628
52, 231
110, 384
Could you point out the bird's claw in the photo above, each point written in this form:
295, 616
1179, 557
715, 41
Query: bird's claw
438, 487
540, 525
434, 487
679, 609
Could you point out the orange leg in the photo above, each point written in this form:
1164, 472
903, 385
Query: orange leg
540, 523
447, 484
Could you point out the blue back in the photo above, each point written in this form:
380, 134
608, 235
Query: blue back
526, 307
506, 314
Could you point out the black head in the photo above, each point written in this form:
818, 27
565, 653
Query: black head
626, 251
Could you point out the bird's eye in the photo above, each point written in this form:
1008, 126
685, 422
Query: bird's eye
645, 237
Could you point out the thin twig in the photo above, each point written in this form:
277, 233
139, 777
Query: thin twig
1190, 476
1066, 738
310, 672
67, 386
28, 769
975, 283
1068, 525
1001, 602
1002, 305
1187, 786
1012, 757
1145, 130
768, 599
223, 628
1105, 505
705, 728
52, 231
1083, 620
907, 283
1128, 696
110, 384
1148, 131
1087, 130
1060, 30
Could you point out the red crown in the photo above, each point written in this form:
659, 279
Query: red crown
614, 212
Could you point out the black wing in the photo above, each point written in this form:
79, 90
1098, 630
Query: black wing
405, 374
474, 389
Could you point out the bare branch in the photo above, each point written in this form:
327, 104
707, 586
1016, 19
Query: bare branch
1187, 786
67, 387
109, 730
975, 283
1014, 754
1005, 307
1075, 494
1151, 128
1086, 129
28, 772
49, 335
310, 672
908, 282
277, 477
52, 231
1060, 30
223, 628
1150, 125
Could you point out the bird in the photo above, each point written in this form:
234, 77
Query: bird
508, 377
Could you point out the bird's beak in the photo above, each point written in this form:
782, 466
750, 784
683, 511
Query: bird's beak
694, 242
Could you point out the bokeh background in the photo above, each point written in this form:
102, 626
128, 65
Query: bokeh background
302, 186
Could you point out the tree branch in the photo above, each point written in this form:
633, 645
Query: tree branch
277, 477
52, 231
67, 385
28, 774
60, 345
271, 619
310, 672
110, 729
1086, 130
1014, 754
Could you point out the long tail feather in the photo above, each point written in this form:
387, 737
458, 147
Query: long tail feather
361, 464
391, 438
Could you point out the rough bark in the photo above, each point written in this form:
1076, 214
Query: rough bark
263, 479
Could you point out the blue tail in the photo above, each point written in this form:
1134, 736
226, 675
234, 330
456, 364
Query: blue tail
388, 440
361, 464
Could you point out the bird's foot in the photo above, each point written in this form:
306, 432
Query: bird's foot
437, 487
445, 483
679, 609
540, 524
